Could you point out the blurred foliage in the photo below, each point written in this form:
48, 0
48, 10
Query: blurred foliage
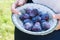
6, 25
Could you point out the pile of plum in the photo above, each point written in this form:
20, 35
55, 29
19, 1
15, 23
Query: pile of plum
34, 20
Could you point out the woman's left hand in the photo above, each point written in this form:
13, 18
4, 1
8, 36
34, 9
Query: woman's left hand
57, 16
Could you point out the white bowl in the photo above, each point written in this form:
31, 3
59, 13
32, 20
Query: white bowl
43, 8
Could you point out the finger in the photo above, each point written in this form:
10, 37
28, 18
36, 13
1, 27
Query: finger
56, 16
58, 26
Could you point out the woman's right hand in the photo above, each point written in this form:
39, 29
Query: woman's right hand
15, 4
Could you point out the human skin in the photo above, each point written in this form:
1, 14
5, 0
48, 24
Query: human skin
15, 4
22, 2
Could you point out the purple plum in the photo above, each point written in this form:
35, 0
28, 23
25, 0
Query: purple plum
34, 12
26, 16
45, 17
28, 25
27, 20
21, 17
28, 10
37, 27
45, 25
37, 18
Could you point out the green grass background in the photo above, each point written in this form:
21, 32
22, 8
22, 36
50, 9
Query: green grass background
6, 25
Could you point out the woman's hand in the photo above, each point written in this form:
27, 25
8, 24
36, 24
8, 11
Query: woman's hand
58, 25
57, 16
15, 11
15, 4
